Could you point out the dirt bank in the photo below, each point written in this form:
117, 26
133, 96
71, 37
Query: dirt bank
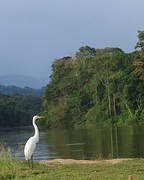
71, 161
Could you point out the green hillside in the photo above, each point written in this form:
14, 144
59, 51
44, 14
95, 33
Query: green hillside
11, 90
18, 110
94, 86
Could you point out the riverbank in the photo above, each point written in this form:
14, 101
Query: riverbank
117, 169
74, 161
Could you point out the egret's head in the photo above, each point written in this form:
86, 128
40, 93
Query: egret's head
37, 117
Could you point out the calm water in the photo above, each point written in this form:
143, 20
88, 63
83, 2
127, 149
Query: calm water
92, 143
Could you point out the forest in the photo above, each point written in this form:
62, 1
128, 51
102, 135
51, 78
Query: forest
19, 105
92, 87
12, 90
18, 110
96, 86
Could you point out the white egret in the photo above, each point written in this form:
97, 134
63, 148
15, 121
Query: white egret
31, 143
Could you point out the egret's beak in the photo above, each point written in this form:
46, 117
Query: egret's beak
41, 117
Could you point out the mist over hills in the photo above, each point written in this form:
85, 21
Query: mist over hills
12, 90
23, 81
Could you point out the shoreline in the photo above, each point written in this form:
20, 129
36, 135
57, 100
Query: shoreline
73, 161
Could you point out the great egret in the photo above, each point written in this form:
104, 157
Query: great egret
31, 143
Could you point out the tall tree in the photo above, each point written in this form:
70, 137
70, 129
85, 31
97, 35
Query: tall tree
139, 58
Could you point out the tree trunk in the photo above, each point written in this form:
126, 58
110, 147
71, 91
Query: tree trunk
114, 104
128, 108
109, 102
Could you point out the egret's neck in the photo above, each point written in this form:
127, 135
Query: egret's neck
36, 135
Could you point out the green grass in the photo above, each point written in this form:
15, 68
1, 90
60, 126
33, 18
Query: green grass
19, 170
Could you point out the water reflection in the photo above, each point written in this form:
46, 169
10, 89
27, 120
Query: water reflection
92, 143
95, 143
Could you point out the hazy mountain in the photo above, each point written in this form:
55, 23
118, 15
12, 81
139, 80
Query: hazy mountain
12, 90
23, 81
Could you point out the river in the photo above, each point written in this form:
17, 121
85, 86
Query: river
88, 143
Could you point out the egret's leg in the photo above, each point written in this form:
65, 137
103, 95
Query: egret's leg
32, 161
28, 163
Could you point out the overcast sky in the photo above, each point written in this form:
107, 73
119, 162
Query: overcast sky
34, 32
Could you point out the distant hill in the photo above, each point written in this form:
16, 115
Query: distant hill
18, 110
11, 90
23, 81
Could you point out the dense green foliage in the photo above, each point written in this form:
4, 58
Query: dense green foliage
11, 90
18, 110
94, 86
139, 58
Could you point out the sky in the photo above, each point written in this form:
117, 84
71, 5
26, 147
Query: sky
35, 32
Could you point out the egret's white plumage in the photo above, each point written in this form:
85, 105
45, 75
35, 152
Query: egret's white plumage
29, 148
31, 143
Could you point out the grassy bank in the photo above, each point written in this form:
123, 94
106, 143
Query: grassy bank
19, 170
116, 169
